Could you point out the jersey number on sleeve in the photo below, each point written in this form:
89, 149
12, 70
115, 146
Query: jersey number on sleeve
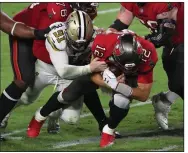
59, 35
146, 55
99, 51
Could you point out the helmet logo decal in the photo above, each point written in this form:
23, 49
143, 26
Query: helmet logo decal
129, 65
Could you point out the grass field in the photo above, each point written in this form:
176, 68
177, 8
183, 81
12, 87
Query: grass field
140, 130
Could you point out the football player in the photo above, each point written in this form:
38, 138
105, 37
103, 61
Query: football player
22, 31
166, 21
19, 29
66, 44
22, 58
42, 15
40, 52
129, 54
134, 57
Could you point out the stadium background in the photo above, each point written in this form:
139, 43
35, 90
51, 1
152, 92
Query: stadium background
140, 130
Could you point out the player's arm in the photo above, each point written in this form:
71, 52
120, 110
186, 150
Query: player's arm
18, 29
123, 20
166, 22
98, 80
140, 93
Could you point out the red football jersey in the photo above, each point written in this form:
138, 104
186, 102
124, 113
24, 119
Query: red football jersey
104, 45
148, 13
40, 16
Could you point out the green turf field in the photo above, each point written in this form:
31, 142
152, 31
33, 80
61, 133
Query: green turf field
140, 130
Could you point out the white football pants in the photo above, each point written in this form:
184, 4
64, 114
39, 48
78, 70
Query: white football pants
47, 75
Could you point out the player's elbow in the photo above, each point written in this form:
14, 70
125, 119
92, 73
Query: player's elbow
143, 98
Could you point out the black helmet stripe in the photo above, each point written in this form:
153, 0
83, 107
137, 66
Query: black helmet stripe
82, 25
79, 24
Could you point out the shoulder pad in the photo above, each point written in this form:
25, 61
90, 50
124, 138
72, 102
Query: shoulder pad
56, 38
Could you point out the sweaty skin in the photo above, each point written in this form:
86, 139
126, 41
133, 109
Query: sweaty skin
21, 30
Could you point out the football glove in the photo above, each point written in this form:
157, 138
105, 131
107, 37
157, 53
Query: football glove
165, 30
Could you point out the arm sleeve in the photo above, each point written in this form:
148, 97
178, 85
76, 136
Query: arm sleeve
61, 63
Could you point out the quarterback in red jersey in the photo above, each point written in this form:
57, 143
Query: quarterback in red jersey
135, 58
166, 21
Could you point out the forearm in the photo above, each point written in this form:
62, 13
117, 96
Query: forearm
6, 23
23, 31
140, 93
9, 26
98, 80
123, 20
72, 72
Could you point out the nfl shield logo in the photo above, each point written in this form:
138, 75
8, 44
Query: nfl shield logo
141, 10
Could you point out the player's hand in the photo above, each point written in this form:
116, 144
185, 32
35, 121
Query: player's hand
41, 34
110, 79
100, 31
121, 78
97, 66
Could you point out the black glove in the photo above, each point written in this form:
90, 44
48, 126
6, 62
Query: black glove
165, 31
155, 39
41, 34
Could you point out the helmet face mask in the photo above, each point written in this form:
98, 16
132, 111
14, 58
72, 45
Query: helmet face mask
77, 46
79, 31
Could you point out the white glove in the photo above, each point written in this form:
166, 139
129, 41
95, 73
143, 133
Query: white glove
110, 79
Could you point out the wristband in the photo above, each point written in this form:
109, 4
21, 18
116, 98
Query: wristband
118, 25
12, 31
124, 89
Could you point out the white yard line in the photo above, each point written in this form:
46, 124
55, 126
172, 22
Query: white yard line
82, 116
166, 148
108, 11
82, 141
107, 110
13, 132
75, 142
90, 140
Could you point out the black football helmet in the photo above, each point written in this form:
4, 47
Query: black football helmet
141, 4
127, 54
89, 7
